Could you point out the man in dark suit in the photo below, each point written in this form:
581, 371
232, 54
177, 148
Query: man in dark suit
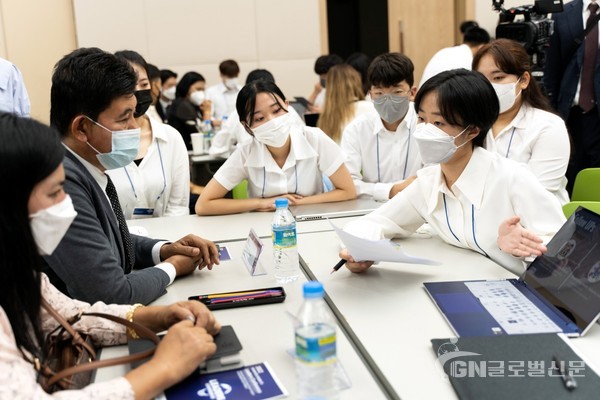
572, 80
92, 106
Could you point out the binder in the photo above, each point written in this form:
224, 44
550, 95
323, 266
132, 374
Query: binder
514, 367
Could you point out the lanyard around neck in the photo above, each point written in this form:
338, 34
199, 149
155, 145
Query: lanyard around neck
472, 225
405, 161
510, 141
162, 168
262, 195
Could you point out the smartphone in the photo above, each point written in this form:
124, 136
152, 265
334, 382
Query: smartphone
241, 298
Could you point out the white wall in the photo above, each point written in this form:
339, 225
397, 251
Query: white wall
283, 36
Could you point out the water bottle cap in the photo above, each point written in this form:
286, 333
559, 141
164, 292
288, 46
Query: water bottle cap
313, 289
279, 203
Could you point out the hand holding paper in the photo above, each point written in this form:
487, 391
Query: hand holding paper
377, 250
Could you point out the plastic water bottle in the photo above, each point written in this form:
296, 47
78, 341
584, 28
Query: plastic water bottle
315, 346
208, 134
285, 247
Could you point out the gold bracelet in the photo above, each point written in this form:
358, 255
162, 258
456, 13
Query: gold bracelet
129, 317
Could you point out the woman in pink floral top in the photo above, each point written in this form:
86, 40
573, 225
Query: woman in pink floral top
35, 213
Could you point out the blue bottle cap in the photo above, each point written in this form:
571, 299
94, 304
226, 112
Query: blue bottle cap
313, 289
279, 203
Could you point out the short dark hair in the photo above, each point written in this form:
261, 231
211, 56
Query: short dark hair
246, 99
133, 57
389, 69
257, 74
360, 62
153, 73
229, 68
466, 25
187, 80
476, 36
167, 74
465, 98
323, 63
29, 153
86, 81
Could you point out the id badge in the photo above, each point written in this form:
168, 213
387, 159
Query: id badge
140, 213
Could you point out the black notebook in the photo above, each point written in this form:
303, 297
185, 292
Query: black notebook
514, 367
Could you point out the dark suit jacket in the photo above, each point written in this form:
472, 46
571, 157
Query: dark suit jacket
161, 111
88, 264
562, 71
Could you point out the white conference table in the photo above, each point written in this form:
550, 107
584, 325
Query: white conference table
265, 331
392, 315
221, 228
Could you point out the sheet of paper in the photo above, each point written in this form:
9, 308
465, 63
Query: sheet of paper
377, 250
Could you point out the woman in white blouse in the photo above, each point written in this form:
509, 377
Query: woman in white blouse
283, 160
157, 182
473, 198
35, 214
526, 130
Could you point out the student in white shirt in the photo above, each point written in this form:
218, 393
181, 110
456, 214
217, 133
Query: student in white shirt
157, 182
283, 160
381, 152
223, 95
473, 198
526, 130
459, 56
232, 132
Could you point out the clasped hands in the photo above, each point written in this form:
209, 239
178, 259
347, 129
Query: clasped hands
189, 253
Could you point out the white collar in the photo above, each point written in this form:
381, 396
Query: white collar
405, 125
158, 130
300, 149
97, 174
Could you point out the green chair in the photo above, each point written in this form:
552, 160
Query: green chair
587, 185
570, 208
240, 191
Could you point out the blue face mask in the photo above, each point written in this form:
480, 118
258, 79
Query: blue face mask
125, 146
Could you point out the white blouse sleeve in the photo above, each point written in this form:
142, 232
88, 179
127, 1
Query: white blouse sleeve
179, 198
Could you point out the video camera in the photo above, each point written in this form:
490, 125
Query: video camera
533, 31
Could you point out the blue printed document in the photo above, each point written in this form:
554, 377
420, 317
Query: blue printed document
256, 382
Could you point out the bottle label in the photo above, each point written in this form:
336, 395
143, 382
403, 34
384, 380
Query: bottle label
316, 350
284, 237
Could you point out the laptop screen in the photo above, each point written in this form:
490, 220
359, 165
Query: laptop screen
568, 274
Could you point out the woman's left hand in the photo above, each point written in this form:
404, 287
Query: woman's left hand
518, 241
159, 318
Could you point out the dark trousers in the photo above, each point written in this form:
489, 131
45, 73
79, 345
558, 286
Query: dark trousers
584, 129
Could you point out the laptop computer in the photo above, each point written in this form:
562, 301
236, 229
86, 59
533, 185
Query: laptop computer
559, 291
338, 209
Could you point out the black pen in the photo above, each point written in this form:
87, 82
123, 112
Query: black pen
568, 380
338, 266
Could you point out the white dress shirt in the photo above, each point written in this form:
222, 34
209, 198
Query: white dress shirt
102, 181
490, 190
223, 99
232, 133
13, 94
161, 181
378, 158
446, 59
540, 140
312, 154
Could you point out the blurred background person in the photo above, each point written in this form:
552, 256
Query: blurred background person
13, 94
168, 82
360, 62
344, 101
316, 100
155, 87
223, 94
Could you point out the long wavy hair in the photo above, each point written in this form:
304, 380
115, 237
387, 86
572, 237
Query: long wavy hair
344, 88
29, 152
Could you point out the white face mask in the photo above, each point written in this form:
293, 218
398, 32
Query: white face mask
435, 145
231, 83
197, 97
169, 93
275, 132
506, 94
50, 225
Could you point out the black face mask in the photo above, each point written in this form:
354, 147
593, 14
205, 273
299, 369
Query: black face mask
144, 99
